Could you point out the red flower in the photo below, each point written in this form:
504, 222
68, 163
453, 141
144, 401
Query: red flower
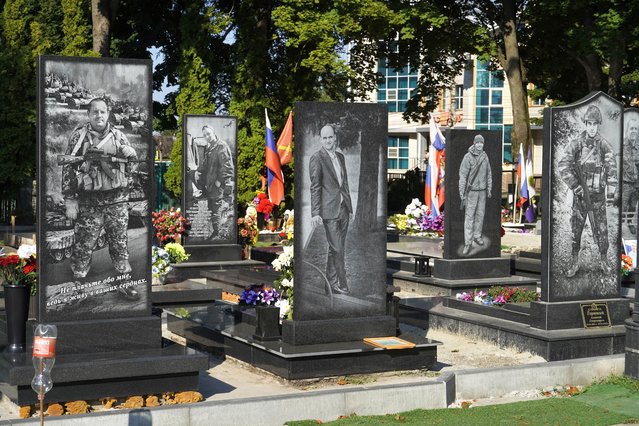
12, 259
29, 268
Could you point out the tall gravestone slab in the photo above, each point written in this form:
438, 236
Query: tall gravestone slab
340, 217
630, 176
472, 234
581, 209
209, 187
95, 174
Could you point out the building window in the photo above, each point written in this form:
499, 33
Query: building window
398, 153
489, 109
396, 84
539, 102
459, 96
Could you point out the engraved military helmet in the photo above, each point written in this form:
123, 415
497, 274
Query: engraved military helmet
592, 114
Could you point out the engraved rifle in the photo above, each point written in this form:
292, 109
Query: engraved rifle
587, 200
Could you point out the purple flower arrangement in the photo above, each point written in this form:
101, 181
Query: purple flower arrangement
259, 295
499, 296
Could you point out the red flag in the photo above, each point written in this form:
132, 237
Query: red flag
285, 141
273, 168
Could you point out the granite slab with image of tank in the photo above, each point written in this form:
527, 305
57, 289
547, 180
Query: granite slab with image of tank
473, 194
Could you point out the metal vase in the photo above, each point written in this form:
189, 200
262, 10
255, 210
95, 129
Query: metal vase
16, 302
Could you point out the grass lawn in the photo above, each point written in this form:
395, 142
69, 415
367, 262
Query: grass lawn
608, 403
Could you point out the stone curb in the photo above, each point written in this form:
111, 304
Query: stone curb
328, 405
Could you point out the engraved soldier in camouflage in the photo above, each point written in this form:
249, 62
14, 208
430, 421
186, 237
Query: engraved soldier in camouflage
96, 191
215, 174
589, 169
630, 171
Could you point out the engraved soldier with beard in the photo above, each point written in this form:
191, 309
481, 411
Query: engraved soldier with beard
96, 192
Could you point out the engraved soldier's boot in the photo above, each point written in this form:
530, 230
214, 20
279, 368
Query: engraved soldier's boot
122, 266
606, 267
466, 249
574, 267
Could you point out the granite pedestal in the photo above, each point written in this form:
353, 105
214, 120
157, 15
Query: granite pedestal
222, 329
510, 326
189, 291
95, 359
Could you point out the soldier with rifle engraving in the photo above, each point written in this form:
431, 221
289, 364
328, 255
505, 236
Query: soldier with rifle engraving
589, 169
475, 185
96, 190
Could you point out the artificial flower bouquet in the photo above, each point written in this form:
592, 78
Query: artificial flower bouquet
176, 252
259, 295
161, 262
169, 225
626, 265
285, 265
499, 296
418, 219
247, 230
20, 269
263, 204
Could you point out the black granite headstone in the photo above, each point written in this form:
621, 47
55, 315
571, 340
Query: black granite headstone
582, 170
473, 194
630, 174
340, 216
209, 181
94, 189
95, 174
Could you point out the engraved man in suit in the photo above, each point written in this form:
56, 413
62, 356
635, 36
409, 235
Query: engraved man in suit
331, 205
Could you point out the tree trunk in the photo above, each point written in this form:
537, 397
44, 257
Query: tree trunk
101, 17
614, 76
511, 63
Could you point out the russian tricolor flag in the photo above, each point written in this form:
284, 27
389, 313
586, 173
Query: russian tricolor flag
434, 188
273, 167
524, 193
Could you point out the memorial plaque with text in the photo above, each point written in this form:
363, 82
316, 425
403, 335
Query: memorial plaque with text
595, 315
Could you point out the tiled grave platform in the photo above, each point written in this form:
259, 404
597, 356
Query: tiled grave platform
225, 329
236, 280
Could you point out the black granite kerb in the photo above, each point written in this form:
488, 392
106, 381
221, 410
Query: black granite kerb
337, 330
463, 269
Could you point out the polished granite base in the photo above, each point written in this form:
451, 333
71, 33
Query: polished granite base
90, 376
632, 349
189, 291
220, 329
511, 328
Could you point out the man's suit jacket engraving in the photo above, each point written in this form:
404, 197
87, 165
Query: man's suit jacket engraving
326, 192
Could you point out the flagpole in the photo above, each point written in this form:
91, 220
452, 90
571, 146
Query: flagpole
515, 196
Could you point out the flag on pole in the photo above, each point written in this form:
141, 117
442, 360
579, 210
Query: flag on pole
285, 142
524, 195
434, 188
530, 212
273, 168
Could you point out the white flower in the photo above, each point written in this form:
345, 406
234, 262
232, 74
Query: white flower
478, 299
284, 306
458, 296
251, 211
25, 251
276, 264
287, 283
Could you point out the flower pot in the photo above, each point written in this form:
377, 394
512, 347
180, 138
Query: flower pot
268, 323
16, 302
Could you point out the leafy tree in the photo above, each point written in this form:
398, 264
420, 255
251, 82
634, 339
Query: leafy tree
593, 48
